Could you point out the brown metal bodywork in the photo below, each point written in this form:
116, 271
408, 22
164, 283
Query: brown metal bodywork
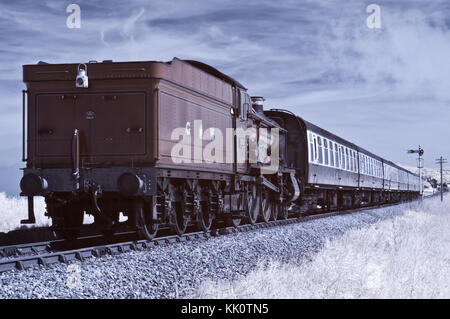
127, 114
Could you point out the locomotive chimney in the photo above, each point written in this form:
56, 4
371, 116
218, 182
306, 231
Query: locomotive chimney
257, 103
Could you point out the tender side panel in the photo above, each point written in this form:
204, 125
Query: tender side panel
204, 124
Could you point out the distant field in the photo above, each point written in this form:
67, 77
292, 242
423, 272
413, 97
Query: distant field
431, 172
13, 209
404, 257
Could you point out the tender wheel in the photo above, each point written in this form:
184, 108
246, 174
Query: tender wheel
204, 216
147, 228
253, 203
266, 205
180, 221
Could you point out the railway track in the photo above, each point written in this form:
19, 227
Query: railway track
25, 256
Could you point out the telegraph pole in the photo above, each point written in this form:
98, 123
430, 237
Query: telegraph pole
419, 165
441, 161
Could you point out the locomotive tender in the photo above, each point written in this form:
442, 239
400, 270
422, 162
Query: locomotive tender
98, 138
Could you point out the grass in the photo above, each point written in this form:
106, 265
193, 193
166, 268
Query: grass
13, 209
407, 256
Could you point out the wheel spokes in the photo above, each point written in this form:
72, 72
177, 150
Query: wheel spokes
253, 203
266, 206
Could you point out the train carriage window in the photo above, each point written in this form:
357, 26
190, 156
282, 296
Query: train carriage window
331, 153
339, 155
347, 162
315, 148
367, 166
336, 155
352, 159
346, 158
325, 150
343, 157
320, 149
361, 164
374, 168
350, 155
357, 161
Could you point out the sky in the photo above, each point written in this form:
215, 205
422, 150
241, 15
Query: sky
386, 89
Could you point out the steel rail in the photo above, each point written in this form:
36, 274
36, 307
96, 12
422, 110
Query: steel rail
42, 254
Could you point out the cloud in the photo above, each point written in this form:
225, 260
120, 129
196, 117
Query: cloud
317, 58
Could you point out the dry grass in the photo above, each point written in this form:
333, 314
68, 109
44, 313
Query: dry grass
13, 209
404, 257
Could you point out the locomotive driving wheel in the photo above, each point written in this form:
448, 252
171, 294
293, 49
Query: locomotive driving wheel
235, 220
253, 203
276, 208
284, 211
147, 227
266, 205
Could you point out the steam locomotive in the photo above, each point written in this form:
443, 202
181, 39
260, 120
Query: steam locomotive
179, 144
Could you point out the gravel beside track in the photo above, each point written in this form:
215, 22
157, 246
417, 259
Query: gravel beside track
176, 270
